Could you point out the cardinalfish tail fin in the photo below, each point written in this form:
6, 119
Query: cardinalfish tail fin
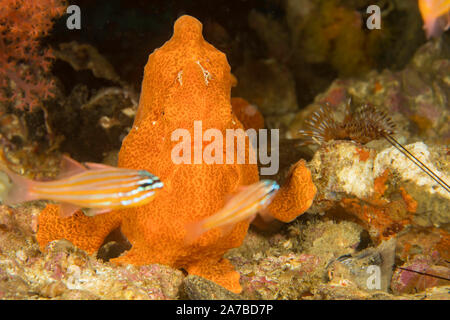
193, 231
20, 189
197, 229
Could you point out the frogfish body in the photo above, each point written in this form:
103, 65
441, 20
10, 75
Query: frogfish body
185, 80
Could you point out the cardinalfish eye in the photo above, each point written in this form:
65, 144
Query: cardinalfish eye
149, 181
365, 124
272, 187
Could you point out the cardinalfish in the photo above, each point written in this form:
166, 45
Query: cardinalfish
242, 206
96, 187
435, 15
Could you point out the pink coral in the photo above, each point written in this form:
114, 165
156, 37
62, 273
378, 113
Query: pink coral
23, 62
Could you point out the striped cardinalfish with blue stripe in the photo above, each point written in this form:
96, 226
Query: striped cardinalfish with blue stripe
244, 205
95, 187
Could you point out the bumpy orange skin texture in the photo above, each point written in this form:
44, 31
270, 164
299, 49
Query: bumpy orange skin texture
185, 80
83, 231
248, 114
295, 196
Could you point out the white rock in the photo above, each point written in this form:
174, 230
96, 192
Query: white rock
395, 161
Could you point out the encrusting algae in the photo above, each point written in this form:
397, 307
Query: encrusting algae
185, 80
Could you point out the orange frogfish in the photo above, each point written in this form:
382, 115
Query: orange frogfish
185, 80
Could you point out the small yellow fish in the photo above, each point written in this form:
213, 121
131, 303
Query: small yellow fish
242, 206
95, 186
435, 15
